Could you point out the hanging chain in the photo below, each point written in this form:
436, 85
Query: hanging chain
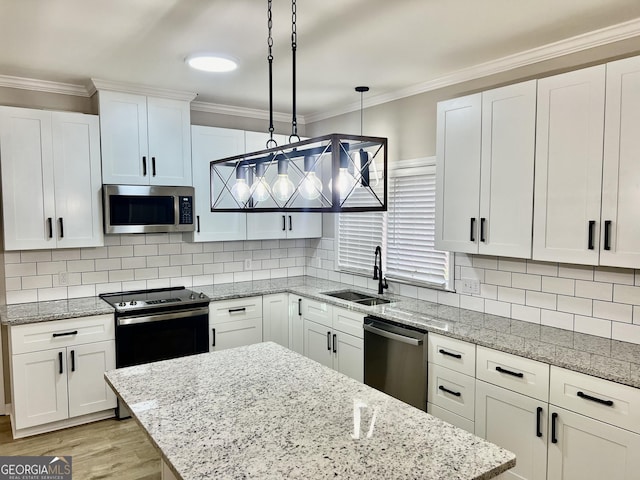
294, 46
271, 141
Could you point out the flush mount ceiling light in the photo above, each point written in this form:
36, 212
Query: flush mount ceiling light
323, 174
211, 63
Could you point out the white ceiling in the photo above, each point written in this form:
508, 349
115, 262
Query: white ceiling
389, 45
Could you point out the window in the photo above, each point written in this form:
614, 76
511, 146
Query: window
406, 231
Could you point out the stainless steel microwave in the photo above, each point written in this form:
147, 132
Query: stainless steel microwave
147, 209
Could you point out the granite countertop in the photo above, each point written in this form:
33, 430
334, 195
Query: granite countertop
263, 411
602, 357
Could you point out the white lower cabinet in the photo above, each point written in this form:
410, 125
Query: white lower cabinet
334, 337
296, 325
234, 323
513, 421
275, 319
57, 373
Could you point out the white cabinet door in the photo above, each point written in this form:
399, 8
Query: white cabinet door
586, 449
568, 166
39, 381
304, 225
266, 225
620, 231
77, 180
169, 133
506, 176
348, 355
275, 318
210, 143
123, 134
27, 178
88, 392
510, 420
296, 324
317, 343
235, 334
457, 173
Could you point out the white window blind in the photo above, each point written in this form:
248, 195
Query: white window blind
358, 235
406, 231
410, 245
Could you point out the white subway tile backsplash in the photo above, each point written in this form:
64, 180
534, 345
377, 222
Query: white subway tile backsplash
166, 249
525, 313
472, 303
448, 298
79, 291
160, 283
242, 277
231, 267
39, 281
541, 300
626, 294
110, 240
46, 294
60, 255
95, 277
481, 261
618, 312
119, 276
580, 306
636, 314
512, 265
13, 283
463, 260
526, 281
625, 332
232, 246
145, 250
428, 295
35, 256
595, 290
192, 270
560, 286
261, 275
109, 287
156, 238
81, 265
20, 269
511, 295
134, 285
496, 277
212, 247
593, 326
183, 259
278, 273
497, 308
286, 262
489, 291
108, 264
145, 273
191, 248
579, 272
542, 268
92, 253
213, 268
131, 239
552, 318
49, 268
614, 275
472, 272
121, 251
22, 296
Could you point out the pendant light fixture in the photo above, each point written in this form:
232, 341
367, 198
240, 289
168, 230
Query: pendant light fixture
341, 162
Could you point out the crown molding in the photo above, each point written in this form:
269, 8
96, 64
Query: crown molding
243, 112
596, 38
99, 84
43, 86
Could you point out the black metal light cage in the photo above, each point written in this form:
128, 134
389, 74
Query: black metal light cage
332, 173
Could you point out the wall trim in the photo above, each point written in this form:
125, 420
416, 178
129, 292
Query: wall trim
596, 38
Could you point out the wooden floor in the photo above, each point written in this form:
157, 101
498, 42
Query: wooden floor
112, 448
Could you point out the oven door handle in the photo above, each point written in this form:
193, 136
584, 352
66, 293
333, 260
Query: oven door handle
158, 317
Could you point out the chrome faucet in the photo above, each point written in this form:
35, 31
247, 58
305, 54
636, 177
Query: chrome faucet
377, 271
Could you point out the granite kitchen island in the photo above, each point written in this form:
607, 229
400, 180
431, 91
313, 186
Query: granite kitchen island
263, 411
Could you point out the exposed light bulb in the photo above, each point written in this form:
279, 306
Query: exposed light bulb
260, 189
283, 188
241, 191
311, 186
345, 182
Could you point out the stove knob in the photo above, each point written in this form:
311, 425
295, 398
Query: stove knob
133, 302
192, 296
202, 295
122, 304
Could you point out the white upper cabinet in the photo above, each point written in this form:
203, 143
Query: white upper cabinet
50, 179
568, 166
485, 154
457, 173
620, 227
211, 143
145, 140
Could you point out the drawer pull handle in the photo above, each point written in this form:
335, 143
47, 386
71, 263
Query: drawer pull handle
607, 234
554, 418
60, 363
335, 343
608, 403
509, 372
451, 392
299, 307
539, 422
329, 341
592, 228
454, 355
237, 310
73, 360
472, 232
213, 336
65, 334
482, 237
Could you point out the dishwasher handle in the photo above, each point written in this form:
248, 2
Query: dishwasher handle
379, 329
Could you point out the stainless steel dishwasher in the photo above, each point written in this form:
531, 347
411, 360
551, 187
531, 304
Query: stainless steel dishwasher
395, 361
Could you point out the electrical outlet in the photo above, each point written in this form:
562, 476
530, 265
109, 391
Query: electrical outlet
247, 264
470, 286
63, 278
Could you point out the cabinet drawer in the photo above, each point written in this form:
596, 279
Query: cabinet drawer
450, 417
452, 353
61, 333
594, 397
519, 374
348, 322
235, 310
451, 390
319, 312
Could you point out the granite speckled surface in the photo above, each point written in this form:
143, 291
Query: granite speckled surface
264, 412
605, 358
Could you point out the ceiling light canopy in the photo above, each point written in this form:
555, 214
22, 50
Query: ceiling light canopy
211, 63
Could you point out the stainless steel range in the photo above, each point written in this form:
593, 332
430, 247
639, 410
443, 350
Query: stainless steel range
159, 324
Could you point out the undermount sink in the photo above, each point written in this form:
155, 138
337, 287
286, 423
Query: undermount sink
357, 297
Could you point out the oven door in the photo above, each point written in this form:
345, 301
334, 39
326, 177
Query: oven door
161, 336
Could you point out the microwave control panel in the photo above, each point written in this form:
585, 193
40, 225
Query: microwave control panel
186, 210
